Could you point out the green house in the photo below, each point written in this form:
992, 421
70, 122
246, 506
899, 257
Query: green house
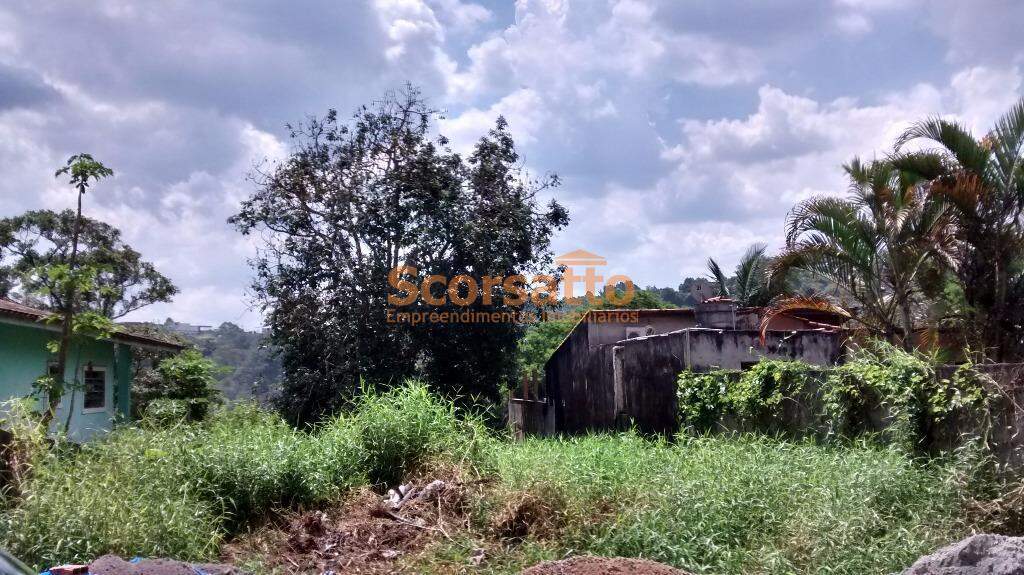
103, 369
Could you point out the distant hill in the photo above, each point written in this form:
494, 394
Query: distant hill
252, 371
802, 283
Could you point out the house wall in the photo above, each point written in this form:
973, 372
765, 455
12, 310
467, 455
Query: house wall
714, 349
578, 385
606, 333
23, 358
751, 320
646, 369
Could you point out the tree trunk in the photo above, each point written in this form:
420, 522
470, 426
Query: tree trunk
57, 391
908, 325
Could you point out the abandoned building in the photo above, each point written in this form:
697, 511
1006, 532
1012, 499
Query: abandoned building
618, 368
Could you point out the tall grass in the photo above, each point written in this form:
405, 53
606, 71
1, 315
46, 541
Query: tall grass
125, 496
710, 505
178, 491
738, 505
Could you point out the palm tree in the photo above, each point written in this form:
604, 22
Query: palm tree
875, 244
751, 286
982, 181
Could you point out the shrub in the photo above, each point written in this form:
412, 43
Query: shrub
187, 377
162, 413
332, 460
400, 429
247, 461
175, 488
22, 445
880, 385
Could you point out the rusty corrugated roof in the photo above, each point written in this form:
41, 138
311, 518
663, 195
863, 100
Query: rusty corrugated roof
14, 310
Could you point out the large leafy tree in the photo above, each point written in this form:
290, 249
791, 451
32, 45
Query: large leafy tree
877, 244
356, 200
981, 180
38, 240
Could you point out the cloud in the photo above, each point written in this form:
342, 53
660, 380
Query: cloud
682, 130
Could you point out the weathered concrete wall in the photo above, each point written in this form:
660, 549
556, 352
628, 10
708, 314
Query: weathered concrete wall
599, 380
528, 417
646, 368
1001, 425
714, 349
716, 314
646, 371
578, 382
606, 333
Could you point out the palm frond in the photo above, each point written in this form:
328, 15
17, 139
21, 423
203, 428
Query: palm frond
953, 137
719, 277
1008, 144
790, 304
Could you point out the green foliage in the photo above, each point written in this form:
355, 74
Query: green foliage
82, 170
127, 495
710, 505
755, 397
34, 258
880, 383
760, 392
187, 377
343, 210
540, 341
162, 413
25, 447
733, 505
248, 461
703, 398
177, 488
400, 429
901, 385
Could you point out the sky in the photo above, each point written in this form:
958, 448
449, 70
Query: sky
681, 129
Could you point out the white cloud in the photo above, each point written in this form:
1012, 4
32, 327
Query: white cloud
523, 109
854, 23
681, 130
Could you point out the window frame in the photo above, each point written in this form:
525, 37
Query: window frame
106, 384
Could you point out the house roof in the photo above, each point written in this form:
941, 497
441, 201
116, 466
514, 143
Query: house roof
12, 310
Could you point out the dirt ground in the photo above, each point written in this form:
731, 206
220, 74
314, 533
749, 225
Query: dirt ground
602, 566
369, 534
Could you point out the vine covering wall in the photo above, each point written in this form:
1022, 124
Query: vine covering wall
882, 391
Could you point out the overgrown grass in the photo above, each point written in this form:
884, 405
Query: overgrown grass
179, 491
710, 505
740, 504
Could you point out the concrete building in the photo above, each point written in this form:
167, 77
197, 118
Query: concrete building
618, 368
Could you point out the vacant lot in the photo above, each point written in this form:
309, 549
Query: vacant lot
247, 487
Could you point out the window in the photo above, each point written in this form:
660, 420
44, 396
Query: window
95, 383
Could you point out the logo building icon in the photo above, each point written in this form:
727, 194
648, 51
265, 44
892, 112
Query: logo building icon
578, 261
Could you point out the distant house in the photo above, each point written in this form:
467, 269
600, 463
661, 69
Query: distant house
618, 368
103, 368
